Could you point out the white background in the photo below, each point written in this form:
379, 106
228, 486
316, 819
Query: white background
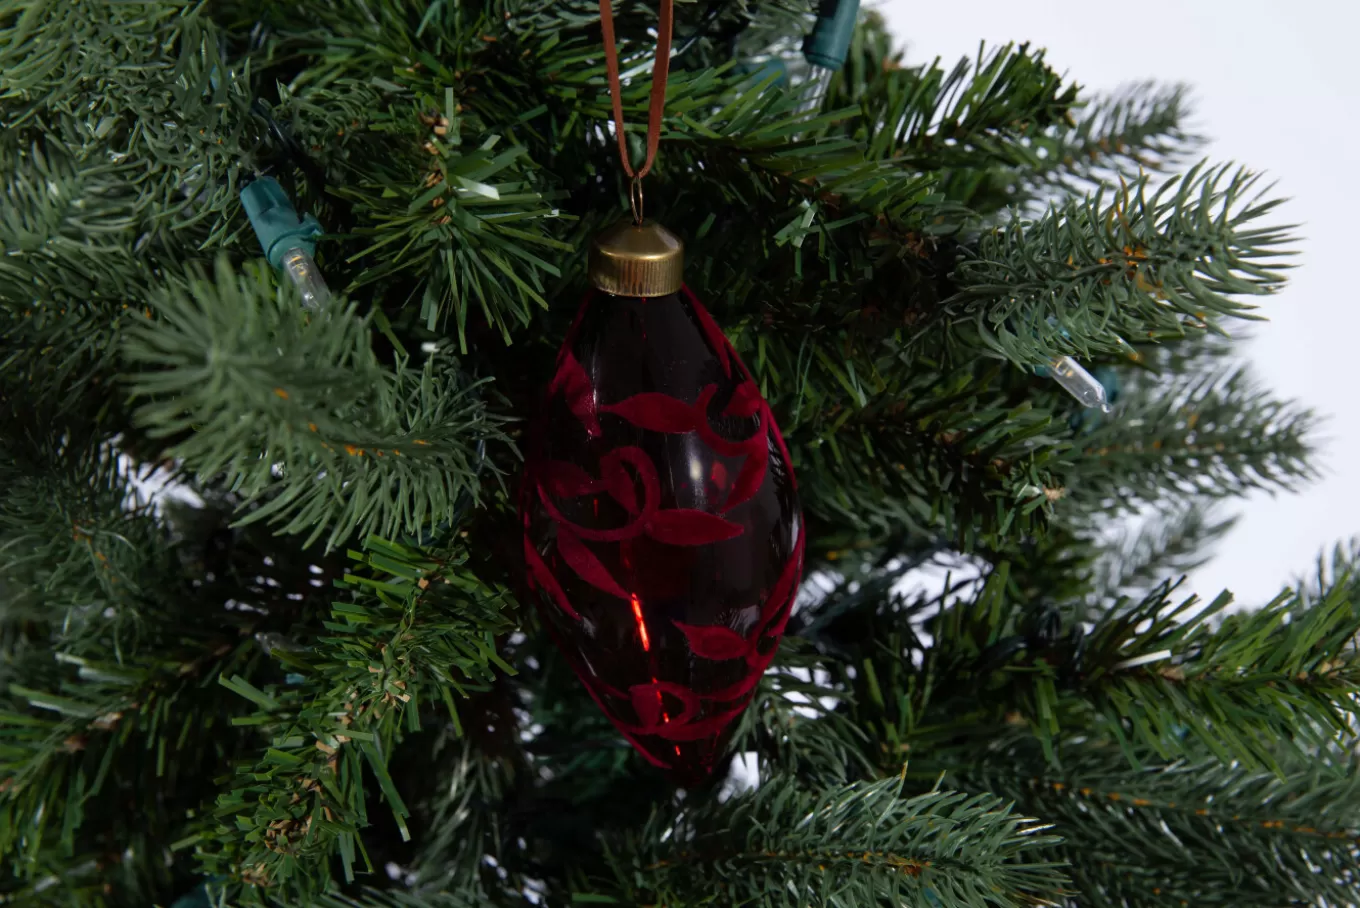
1274, 87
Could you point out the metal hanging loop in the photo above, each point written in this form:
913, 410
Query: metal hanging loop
635, 199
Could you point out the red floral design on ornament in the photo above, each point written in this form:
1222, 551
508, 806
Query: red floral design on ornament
610, 464
716, 339
663, 413
658, 412
718, 642
572, 381
687, 526
583, 561
540, 576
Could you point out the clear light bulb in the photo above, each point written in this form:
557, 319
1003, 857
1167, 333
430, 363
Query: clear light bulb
302, 271
1081, 384
818, 83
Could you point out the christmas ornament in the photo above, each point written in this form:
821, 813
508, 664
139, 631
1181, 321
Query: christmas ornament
662, 533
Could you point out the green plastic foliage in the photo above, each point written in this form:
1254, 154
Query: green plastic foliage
795, 726
151, 90
978, 112
902, 440
1169, 545
1095, 276
107, 683
297, 413
1138, 128
1191, 830
455, 212
372, 898
71, 544
417, 630
1208, 436
1155, 674
1246, 684
850, 845
472, 234
59, 212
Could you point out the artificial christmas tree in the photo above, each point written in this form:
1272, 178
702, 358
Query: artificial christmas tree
267, 626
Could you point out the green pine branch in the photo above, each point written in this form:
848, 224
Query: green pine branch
1000, 128
375, 898
85, 728
1195, 830
467, 223
876, 448
1140, 128
1004, 125
107, 676
855, 844
78, 261
906, 711
1096, 275
454, 214
795, 726
458, 820
1207, 436
54, 362
416, 630
295, 412
69, 228
152, 91
1168, 545
978, 112
76, 550
1154, 673
1244, 685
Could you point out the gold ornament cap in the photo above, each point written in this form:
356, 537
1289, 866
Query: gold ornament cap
630, 259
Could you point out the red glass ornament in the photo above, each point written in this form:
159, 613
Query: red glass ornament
662, 531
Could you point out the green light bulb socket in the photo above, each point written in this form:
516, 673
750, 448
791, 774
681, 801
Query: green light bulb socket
276, 222
830, 39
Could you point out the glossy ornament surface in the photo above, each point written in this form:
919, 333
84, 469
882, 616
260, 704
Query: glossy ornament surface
662, 532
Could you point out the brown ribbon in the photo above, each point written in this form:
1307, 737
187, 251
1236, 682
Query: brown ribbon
658, 102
